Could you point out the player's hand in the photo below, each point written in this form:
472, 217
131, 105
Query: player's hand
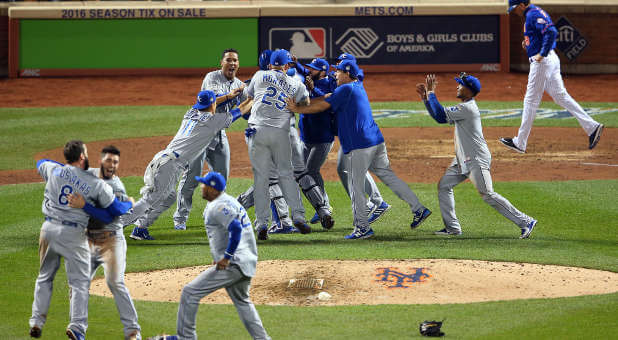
523, 44
291, 105
538, 58
245, 106
309, 82
421, 90
76, 200
132, 200
431, 82
294, 58
223, 263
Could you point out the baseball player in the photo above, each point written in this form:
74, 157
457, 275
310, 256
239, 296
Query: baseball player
539, 42
234, 253
108, 246
269, 138
199, 126
229, 91
472, 158
63, 235
363, 146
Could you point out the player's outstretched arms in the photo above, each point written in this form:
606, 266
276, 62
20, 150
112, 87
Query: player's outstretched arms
316, 106
106, 215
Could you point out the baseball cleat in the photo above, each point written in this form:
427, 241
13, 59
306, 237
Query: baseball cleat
141, 234
447, 232
75, 335
508, 142
262, 233
371, 208
379, 212
36, 332
180, 226
360, 234
419, 217
303, 227
164, 337
284, 229
327, 222
593, 139
135, 335
525, 232
315, 219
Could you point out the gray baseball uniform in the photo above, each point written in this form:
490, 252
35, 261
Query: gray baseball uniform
197, 129
108, 247
472, 160
371, 189
217, 154
236, 278
63, 234
271, 142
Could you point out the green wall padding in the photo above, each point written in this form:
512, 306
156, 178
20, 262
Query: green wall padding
135, 43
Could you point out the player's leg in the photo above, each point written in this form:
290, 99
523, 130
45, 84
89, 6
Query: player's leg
261, 159
452, 176
186, 188
219, 159
207, 282
315, 155
280, 205
239, 293
49, 261
153, 214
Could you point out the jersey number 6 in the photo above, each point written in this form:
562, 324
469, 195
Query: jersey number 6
271, 92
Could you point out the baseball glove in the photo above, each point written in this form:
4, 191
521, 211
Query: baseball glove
431, 328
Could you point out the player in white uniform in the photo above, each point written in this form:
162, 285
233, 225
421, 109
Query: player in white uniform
269, 138
108, 246
539, 41
199, 126
234, 253
63, 235
472, 158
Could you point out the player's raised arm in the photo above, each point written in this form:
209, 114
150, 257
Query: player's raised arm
435, 109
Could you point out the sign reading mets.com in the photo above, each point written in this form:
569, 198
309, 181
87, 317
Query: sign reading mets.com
468, 39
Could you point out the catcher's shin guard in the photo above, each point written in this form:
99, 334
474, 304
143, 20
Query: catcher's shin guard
246, 198
313, 192
276, 197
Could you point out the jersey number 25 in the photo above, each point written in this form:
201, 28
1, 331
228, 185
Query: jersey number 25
271, 93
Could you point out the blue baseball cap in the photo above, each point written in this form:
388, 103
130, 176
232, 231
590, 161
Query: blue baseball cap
350, 67
204, 99
515, 3
470, 82
213, 179
264, 59
346, 56
319, 64
280, 58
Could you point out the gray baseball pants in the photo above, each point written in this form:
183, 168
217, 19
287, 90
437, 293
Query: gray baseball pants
374, 159
112, 254
268, 145
237, 286
218, 159
371, 189
315, 156
56, 241
481, 179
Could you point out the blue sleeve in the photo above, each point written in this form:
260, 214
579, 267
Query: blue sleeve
549, 37
340, 94
235, 114
118, 207
301, 69
98, 213
235, 229
41, 161
435, 109
316, 92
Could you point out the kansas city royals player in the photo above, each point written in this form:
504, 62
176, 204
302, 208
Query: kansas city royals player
229, 91
472, 158
363, 146
234, 253
108, 246
63, 234
199, 126
539, 41
270, 141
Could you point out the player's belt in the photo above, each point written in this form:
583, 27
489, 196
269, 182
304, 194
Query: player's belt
67, 223
101, 234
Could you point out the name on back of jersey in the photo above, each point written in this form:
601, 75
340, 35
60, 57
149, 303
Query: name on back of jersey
280, 82
69, 177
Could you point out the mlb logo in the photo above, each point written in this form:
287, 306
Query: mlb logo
303, 42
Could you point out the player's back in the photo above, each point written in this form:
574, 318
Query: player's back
469, 131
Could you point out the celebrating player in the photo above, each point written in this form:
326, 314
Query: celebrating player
539, 42
472, 158
62, 235
363, 146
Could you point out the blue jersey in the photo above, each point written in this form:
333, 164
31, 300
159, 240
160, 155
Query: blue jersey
539, 32
317, 128
355, 125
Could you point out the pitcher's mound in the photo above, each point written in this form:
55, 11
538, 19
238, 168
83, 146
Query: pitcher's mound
383, 282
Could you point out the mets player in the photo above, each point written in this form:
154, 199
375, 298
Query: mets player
269, 140
108, 246
539, 41
363, 146
472, 157
63, 235
234, 252
199, 126
229, 91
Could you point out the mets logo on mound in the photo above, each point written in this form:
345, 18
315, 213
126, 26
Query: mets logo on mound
303, 42
393, 278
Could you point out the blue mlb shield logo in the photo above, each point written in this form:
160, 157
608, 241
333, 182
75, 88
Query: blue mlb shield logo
303, 42
569, 40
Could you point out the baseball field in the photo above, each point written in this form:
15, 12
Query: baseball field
562, 283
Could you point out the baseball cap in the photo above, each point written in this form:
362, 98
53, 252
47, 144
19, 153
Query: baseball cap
213, 179
204, 99
280, 58
515, 3
346, 56
470, 82
319, 64
264, 59
350, 67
